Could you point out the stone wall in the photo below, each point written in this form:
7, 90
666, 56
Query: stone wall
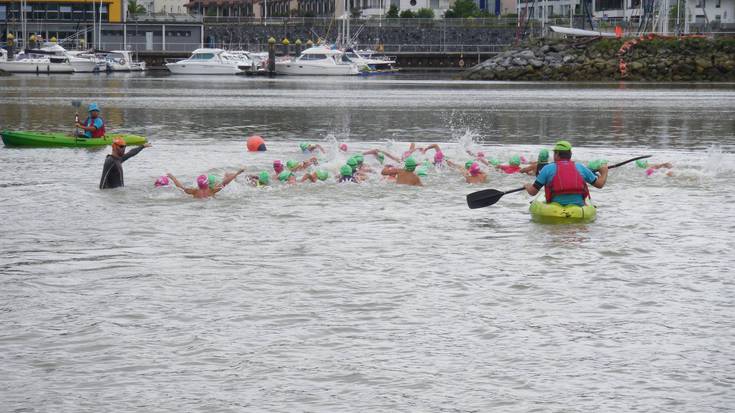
594, 59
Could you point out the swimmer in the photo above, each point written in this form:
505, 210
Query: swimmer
405, 176
162, 181
295, 166
438, 154
203, 189
651, 168
380, 155
262, 179
310, 147
287, 177
411, 149
346, 174
343, 147
318, 175
361, 167
514, 165
535, 167
277, 168
475, 175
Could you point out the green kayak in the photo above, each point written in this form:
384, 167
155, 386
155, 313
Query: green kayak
30, 139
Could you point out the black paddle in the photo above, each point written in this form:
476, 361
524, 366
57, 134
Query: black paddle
487, 197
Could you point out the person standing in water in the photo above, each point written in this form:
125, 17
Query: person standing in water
112, 171
405, 176
203, 189
565, 182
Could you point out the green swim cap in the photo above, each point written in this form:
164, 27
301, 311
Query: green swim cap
563, 146
359, 158
642, 163
515, 160
284, 176
421, 171
304, 146
264, 178
345, 170
292, 164
596, 164
543, 155
352, 163
409, 164
468, 164
213, 181
381, 158
322, 174
494, 162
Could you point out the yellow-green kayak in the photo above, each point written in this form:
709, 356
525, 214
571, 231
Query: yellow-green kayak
555, 213
31, 139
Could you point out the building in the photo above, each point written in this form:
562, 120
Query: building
166, 6
217, 8
62, 10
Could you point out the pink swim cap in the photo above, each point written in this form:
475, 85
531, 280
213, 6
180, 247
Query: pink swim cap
202, 182
343, 147
649, 171
277, 166
438, 157
474, 169
162, 181
523, 159
480, 154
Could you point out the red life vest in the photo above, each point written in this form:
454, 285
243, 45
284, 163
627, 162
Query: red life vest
566, 181
100, 132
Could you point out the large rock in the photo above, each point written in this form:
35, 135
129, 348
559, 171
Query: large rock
536, 63
517, 61
526, 54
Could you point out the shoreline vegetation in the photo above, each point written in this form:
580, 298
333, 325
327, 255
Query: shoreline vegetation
646, 58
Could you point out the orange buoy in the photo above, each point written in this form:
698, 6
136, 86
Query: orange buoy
256, 144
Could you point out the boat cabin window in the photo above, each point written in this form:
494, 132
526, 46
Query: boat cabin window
313, 57
202, 56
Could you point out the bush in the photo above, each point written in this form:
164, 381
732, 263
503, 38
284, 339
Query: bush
462, 9
424, 13
407, 14
392, 12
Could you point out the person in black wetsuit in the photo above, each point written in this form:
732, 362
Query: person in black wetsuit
112, 172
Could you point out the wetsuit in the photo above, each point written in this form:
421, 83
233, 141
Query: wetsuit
112, 172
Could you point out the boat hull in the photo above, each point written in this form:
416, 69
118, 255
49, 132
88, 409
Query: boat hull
31, 139
554, 213
298, 68
201, 69
36, 67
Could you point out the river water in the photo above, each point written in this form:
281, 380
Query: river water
371, 297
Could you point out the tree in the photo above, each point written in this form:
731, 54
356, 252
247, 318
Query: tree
135, 8
392, 12
407, 14
462, 9
424, 13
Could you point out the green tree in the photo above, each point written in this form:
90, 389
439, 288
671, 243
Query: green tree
407, 14
462, 9
135, 8
392, 12
424, 13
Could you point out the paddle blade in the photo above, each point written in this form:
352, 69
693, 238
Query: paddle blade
481, 199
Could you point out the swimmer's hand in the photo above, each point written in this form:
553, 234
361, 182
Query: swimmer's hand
147, 145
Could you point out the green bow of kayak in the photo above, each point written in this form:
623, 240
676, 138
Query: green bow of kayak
554, 213
31, 139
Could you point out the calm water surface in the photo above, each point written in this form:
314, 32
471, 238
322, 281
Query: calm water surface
371, 297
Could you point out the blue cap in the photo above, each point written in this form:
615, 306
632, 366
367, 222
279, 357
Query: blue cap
93, 107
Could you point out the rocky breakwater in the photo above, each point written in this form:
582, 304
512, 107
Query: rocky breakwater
646, 58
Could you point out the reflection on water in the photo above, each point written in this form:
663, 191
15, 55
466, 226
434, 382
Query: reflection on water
368, 297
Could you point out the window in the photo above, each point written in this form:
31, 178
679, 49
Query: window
313, 57
65, 12
717, 3
3, 12
434, 4
203, 56
699, 4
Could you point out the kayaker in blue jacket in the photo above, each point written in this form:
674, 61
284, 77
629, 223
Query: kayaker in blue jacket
565, 182
94, 125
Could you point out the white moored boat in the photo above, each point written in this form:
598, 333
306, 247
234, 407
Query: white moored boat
122, 61
78, 62
318, 60
367, 59
210, 62
36, 61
